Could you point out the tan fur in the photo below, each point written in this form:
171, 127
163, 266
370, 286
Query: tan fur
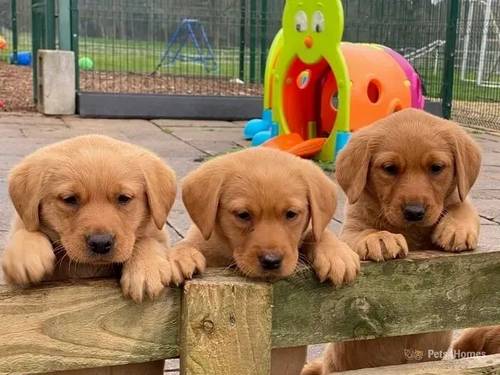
266, 184
375, 227
478, 341
48, 235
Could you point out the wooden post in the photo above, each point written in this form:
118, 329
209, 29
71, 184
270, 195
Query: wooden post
226, 328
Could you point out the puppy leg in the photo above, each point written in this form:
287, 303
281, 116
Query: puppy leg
332, 259
313, 368
478, 341
147, 272
458, 230
372, 244
187, 260
28, 258
186, 257
288, 361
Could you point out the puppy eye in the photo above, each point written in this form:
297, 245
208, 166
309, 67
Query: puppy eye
70, 200
390, 169
290, 215
244, 215
124, 199
437, 168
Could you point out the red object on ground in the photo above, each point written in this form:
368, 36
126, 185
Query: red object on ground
284, 142
295, 144
2, 104
308, 148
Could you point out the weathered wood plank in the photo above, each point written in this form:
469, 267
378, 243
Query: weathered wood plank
467, 366
427, 292
87, 323
226, 328
83, 324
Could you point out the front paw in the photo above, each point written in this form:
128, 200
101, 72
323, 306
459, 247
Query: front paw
454, 235
336, 263
28, 258
186, 261
146, 277
383, 245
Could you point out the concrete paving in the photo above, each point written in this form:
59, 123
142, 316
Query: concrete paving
185, 144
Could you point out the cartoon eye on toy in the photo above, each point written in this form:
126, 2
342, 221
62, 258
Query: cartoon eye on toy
318, 21
301, 21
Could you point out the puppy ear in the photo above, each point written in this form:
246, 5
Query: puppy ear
25, 190
160, 188
201, 194
351, 167
322, 198
467, 161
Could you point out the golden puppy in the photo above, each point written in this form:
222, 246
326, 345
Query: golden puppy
407, 178
478, 341
261, 210
91, 201
86, 204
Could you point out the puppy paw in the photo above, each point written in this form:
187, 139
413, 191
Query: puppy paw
455, 236
28, 258
338, 264
146, 277
186, 261
382, 246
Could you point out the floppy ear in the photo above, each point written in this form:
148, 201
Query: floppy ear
200, 194
467, 160
351, 168
322, 198
160, 188
25, 190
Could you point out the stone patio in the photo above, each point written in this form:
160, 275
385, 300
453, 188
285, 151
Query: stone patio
185, 144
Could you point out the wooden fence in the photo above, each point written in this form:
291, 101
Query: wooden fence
224, 324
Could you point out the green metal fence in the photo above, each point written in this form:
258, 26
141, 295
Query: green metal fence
15, 27
128, 46
147, 46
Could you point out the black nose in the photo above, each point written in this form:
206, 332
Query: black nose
100, 243
270, 261
414, 212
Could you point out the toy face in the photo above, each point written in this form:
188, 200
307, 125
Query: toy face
312, 27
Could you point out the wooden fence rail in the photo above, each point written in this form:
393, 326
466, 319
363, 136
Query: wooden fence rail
222, 323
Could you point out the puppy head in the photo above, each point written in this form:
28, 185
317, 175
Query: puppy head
410, 163
260, 202
93, 196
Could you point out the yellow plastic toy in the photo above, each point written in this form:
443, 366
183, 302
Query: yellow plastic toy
317, 90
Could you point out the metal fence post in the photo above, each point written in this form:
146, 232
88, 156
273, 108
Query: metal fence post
43, 32
242, 38
64, 24
74, 31
13, 7
253, 40
449, 57
263, 39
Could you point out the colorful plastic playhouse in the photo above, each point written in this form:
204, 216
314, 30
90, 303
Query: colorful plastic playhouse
318, 90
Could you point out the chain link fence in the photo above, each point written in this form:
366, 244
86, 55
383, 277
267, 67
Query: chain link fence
477, 66
219, 47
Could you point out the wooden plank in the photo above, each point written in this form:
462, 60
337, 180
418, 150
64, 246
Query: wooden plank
83, 324
226, 328
87, 323
430, 291
467, 366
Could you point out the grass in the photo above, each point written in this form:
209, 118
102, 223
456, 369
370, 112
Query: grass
143, 57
